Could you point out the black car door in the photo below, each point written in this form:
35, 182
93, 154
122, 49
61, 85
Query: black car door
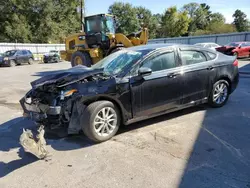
25, 56
196, 70
19, 57
159, 91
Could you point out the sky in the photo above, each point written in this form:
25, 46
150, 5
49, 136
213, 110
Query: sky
226, 7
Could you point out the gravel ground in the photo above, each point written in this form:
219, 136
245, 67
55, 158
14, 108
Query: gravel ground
196, 147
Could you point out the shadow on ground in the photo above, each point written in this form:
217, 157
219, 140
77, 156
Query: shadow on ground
25, 159
221, 151
11, 131
220, 155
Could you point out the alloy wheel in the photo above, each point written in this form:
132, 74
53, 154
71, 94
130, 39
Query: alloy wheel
220, 93
105, 121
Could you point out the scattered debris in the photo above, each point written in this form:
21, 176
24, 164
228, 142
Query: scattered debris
69, 165
32, 145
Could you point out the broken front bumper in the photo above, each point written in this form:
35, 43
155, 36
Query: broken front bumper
38, 112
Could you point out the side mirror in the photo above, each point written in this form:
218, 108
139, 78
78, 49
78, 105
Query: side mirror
144, 71
239, 47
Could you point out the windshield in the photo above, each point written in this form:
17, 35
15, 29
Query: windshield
233, 44
108, 25
10, 53
117, 62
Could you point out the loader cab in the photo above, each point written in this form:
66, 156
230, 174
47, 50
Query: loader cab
98, 28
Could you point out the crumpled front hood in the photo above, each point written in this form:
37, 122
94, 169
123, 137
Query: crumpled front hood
225, 48
66, 77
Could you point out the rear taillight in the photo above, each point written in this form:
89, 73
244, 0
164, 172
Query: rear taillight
236, 63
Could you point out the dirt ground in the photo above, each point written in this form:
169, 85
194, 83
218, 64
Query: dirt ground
196, 147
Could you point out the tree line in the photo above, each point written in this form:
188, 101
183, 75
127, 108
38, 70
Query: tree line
50, 21
38, 21
191, 19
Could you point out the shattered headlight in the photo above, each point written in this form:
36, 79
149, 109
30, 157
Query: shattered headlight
67, 93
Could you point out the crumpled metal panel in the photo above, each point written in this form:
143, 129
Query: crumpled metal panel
35, 146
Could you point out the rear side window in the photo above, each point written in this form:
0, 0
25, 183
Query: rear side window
161, 62
190, 57
211, 55
24, 52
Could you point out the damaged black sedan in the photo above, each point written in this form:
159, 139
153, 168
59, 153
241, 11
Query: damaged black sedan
128, 86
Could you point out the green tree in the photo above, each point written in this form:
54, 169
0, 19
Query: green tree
148, 20
240, 21
217, 17
199, 15
38, 20
126, 16
174, 23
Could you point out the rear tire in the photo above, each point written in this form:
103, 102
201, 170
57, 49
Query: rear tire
12, 63
31, 61
81, 58
219, 95
100, 121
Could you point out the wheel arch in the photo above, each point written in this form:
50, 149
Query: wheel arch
120, 107
225, 77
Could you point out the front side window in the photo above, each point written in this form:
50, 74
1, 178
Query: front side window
192, 57
161, 62
10, 53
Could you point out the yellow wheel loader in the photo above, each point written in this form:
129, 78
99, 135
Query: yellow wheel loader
98, 40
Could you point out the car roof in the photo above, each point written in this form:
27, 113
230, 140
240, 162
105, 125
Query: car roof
152, 47
239, 42
206, 43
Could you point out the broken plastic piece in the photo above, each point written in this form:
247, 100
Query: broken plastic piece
35, 146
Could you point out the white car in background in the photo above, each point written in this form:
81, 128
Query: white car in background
209, 45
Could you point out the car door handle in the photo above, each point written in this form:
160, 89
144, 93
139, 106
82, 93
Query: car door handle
173, 75
210, 68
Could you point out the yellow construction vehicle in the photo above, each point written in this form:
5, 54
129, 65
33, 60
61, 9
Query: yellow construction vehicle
98, 40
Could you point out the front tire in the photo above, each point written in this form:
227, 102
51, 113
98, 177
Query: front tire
81, 58
101, 121
219, 95
12, 63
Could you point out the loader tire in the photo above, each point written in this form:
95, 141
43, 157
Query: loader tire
81, 58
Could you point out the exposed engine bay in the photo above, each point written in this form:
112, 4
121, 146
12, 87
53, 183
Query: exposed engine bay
55, 101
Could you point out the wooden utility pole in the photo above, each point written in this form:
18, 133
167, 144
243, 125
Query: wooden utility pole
82, 4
